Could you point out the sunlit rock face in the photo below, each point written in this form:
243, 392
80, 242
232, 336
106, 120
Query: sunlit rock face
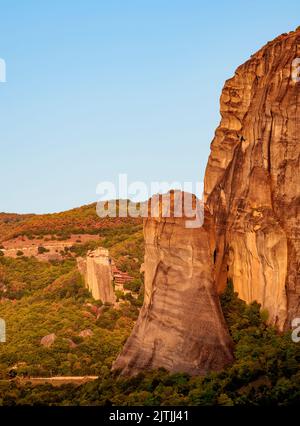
97, 273
251, 231
180, 326
252, 182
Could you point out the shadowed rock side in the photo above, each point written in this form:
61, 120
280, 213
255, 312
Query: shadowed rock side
252, 182
97, 273
180, 326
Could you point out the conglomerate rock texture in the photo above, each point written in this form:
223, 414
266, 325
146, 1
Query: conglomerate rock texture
252, 182
181, 325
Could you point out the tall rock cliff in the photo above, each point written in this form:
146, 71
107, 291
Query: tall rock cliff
251, 232
180, 326
97, 273
252, 182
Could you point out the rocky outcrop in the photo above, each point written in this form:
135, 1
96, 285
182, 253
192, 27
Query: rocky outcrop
252, 182
180, 326
86, 333
72, 345
97, 273
48, 341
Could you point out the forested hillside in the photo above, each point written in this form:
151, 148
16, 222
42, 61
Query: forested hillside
265, 372
39, 299
79, 220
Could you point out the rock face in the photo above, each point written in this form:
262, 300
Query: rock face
251, 232
252, 182
97, 273
180, 326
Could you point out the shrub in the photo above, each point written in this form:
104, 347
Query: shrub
42, 250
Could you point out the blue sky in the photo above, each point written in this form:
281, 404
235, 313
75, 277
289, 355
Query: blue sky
98, 88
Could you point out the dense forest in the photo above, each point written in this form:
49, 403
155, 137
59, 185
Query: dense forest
41, 298
265, 372
79, 220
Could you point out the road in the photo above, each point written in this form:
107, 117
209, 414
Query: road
56, 380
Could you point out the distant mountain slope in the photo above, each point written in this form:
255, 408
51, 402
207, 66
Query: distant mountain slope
82, 220
41, 299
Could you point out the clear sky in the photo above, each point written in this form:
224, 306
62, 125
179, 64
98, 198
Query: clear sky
98, 88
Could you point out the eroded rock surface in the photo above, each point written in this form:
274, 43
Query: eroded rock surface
180, 326
252, 182
97, 273
251, 232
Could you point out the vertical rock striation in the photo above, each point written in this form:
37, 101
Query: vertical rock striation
251, 232
180, 326
252, 182
97, 273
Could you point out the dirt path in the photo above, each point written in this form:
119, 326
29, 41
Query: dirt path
57, 380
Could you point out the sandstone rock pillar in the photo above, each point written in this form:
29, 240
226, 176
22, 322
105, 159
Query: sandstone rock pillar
180, 326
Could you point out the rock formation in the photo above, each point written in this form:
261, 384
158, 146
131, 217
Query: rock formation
252, 182
251, 232
48, 341
97, 273
86, 333
180, 326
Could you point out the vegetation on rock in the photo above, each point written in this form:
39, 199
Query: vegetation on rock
265, 372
